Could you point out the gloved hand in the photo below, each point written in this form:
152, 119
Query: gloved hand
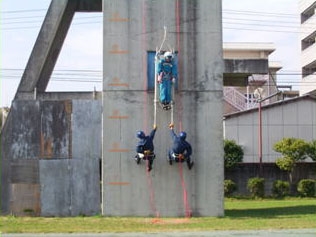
171, 125
155, 126
159, 78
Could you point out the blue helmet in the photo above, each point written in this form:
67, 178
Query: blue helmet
182, 135
140, 134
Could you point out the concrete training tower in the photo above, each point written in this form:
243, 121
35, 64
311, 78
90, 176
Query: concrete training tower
133, 29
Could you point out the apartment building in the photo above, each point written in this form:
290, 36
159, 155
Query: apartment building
238, 96
307, 10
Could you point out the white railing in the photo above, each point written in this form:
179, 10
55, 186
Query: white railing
237, 99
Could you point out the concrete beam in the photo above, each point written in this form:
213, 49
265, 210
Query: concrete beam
235, 79
249, 66
69, 95
50, 41
47, 46
89, 6
237, 71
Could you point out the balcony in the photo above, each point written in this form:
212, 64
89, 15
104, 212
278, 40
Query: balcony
304, 4
308, 27
308, 84
308, 55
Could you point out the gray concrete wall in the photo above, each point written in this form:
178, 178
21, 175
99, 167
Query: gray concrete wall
69, 187
51, 158
86, 129
5, 164
288, 119
20, 142
131, 28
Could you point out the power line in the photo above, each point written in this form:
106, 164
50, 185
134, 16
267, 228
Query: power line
23, 11
258, 13
256, 29
224, 27
235, 12
19, 22
264, 25
94, 71
22, 17
71, 70
267, 20
224, 10
97, 74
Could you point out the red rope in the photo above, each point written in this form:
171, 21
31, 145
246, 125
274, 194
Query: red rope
151, 192
184, 193
178, 28
144, 59
184, 190
145, 111
178, 42
179, 101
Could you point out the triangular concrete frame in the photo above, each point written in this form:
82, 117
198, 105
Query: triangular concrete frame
51, 38
49, 43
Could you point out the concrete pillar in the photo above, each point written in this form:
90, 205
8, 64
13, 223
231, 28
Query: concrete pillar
131, 29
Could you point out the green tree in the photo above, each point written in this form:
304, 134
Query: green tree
233, 153
293, 150
312, 150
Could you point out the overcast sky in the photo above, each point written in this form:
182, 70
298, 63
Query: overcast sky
275, 21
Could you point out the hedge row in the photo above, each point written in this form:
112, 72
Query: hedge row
305, 188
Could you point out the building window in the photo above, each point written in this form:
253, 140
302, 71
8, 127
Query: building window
308, 41
151, 70
250, 98
309, 70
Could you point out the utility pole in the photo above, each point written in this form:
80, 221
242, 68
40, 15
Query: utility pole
260, 128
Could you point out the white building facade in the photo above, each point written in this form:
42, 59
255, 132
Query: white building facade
241, 97
307, 10
289, 118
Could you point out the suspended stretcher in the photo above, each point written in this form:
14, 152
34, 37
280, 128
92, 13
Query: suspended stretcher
164, 82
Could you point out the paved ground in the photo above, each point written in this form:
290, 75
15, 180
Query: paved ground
261, 233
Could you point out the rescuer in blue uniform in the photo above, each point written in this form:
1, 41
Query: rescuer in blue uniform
167, 74
181, 150
145, 147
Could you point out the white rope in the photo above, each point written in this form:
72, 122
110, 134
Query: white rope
164, 39
156, 75
172, 104
155, 96
156, 84
172, 93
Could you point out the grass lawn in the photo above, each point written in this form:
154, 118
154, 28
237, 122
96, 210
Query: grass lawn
240, 214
